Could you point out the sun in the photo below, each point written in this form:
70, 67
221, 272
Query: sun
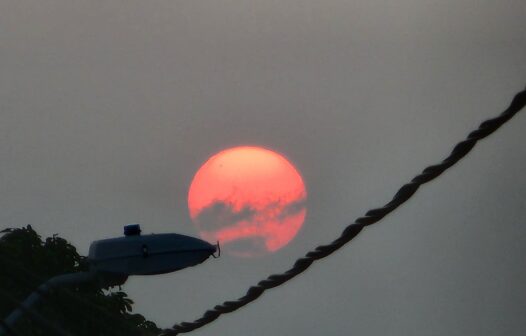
250, 199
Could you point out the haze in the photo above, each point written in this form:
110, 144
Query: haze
108, 108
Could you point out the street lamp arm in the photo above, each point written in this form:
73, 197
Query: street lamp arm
63, 280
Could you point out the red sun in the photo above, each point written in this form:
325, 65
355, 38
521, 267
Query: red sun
250, 199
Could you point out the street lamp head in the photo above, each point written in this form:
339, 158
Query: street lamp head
136, 254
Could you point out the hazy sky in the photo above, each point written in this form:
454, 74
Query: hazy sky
108, 108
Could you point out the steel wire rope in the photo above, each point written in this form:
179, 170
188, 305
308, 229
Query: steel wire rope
70, 293
352, 230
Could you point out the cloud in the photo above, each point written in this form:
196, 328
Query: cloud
292, 208
220, 214
248, 246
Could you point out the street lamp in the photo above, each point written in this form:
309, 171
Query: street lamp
113, 260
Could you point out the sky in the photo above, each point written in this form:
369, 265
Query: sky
108, 108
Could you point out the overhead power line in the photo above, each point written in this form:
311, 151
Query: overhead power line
372, 216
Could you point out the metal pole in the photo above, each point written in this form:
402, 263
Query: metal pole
58, 281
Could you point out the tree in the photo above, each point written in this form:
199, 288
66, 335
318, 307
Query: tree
26, 261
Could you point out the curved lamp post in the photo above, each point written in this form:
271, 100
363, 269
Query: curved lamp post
113, 260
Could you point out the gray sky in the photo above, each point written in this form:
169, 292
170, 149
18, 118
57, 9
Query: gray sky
107, 109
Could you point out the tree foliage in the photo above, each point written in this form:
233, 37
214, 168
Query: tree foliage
26, 261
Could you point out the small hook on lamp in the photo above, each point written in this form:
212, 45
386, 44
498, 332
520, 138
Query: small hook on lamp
218, 248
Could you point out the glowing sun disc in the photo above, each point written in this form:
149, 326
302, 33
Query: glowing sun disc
250, 199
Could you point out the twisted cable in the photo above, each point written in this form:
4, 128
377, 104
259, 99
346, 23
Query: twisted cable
372, 216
